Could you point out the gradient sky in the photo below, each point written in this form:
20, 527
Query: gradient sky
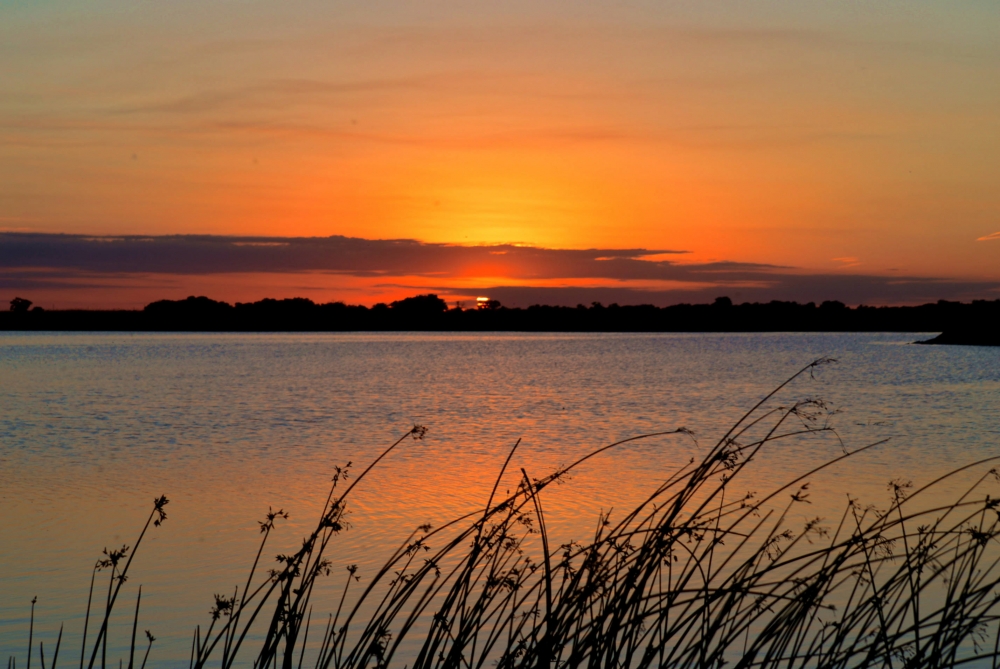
806, 147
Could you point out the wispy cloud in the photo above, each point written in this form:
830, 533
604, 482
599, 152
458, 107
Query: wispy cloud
991, 236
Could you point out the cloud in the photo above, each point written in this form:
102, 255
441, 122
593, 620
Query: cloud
371, 270
986, 238
287, 92
205, 254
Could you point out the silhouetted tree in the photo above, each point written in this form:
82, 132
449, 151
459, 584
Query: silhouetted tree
192, 307
422, 305
20, 305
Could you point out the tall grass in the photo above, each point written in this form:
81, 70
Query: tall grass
696, 575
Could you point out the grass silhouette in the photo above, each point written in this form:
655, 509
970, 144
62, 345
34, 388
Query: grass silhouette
693, 576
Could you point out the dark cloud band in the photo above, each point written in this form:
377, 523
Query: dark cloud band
205, 254
89, 263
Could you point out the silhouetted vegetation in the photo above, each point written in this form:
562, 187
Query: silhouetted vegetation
19, 305
431, 313
700, 574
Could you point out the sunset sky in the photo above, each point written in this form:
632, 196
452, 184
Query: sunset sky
553, 151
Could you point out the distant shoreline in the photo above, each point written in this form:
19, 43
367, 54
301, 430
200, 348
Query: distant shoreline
965, 337
430, 313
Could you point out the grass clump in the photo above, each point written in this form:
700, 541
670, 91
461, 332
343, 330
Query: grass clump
694, 576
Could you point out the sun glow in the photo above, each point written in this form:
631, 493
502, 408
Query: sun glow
498, 199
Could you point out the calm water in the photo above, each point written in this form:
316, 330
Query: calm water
94, 426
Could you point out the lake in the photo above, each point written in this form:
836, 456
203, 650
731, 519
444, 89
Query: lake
94, 426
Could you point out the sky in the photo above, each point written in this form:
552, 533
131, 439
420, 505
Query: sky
535, 152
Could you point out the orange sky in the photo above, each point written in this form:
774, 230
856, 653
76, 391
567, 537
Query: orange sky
832, 138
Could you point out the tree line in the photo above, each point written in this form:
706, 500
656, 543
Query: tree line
431, 313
